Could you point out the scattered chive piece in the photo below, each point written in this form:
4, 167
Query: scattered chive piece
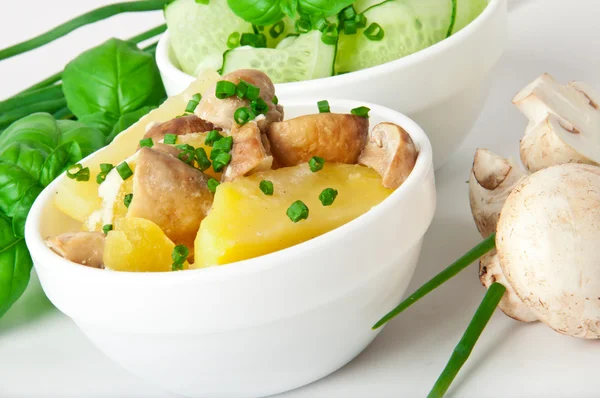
254, 40
212, 137
147, 142
360, 20
302, 25
202, 159
330, 35
316, 163
191, 106
73, 170
106, 228
179, 255
106, 167
197, 97
225, 89
323, 106
275, 100
253, 92
187, 156
204, 2
374, 32
101, 177
127, 200
350, 27
124, 170
348, 13
221, 160
321, 24
243, 115
170, 139
327, 196
185, 147
233, 40
241, 89
361, 111
277, 29
224, 144
259, 106
266, 187
297, 211
212, 185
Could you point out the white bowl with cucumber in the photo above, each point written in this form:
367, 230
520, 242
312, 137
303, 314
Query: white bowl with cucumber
433, 63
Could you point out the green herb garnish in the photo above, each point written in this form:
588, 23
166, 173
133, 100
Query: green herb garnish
221, 160
323, 106
297, 211
243, 115
277, 29
127, 200
225, 89
259, 106
124, 170
374, 32
361, 111
233, 40
191, 106
147, 142
252, 91
107, 228
202, 159
316, 163
212, 137
179, 254
327, 196
170, 139
78, 173
266, 187
212, 184
224, 145
253, 40
275, 100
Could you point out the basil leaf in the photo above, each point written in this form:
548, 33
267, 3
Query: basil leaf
14, 183
322, 8
289, 7
64, 156
36, 129
26, 156
22, 210
88, 138
101, 121
126, 120
257, 12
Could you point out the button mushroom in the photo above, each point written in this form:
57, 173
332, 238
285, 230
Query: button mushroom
250, 152
84, 248
391, 152
334, 137
180, 126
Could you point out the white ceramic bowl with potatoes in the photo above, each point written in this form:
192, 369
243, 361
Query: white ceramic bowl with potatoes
256, 327
443, 87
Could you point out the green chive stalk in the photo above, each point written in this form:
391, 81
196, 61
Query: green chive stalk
44, 83
63, 113
49, 106
465, 346
31, 97
85, 19
467, 259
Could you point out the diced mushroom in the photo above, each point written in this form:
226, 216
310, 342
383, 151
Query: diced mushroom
85, 248
391, 152
334, 137
180, 126
250, 152
170, 193
220, 111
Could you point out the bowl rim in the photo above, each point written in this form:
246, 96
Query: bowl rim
45, 257
494, 6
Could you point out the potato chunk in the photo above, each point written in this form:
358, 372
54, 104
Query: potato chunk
246, 223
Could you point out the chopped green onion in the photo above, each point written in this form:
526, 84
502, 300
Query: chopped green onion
361, 111
127, 200
259, 106
266, 187
360, 20
212, 184
258, 28
350, 27
323, 106
124, 170
243, 115
297, 211
202, 159
197, 97
253, 40
303, 25
316, 163
233, 40
374, 32
179, 254
73, 170
191, 106
348, 13
330, 35
224, 145
275, 100
185, 147
253, 92
241, 89
204, 2
106, 167
212, 137
225, 89
277, 29
187, 156
107, 228
327, 196
147, 142
170, 139
101, 177
221, 160
321, 24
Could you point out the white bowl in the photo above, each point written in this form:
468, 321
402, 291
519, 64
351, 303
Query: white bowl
443, 87
256, 327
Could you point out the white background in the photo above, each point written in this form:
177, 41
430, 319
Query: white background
42, 353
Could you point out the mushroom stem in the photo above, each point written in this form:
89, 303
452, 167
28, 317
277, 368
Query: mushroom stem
469, 339
463, 262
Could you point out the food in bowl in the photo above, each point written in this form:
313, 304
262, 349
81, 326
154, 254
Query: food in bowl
225, 178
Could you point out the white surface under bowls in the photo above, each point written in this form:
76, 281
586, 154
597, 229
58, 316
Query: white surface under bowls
256, 327
443, 87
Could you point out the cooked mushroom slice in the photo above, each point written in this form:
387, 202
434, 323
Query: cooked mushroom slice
84, 248
492, 179
181, 126
333, 136
250, 152
391, 152
220, 111
171, 194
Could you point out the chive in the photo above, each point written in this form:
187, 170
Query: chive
323, 106
321, 24
225, 89
360, 20
350, 27
212, 185
187, 156
73, 170
101, 177
361, 111
147, 142
170, 139
275, 100
302, 25
259, 106
106, 228
233, 40
266, 187
106, 167
225, 144
374, 32
348, 13
179, 255
212, 137
202, 159
185, 147
297, 211
253, 40
197, 97
327, 196
316, 163
243, 115
191, 106
253, 92
277, 29
330, 35
241, 89
127, 200
124, 170
221, 160
204, 2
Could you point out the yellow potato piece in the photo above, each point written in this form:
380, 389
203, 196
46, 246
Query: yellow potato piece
245, 223
79, 199
138, 245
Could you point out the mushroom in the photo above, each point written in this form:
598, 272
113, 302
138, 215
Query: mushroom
391, 152
491, 181
84, 248
334, 137
170, 193
180, 126
564, 123
220, 111
250, 152
547, 242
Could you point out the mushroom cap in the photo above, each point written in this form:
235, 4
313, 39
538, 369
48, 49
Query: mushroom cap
492, 179
250, 152
180, 126
547, 242
85, 248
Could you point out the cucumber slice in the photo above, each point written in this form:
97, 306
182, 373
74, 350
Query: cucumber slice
299, 58
467, 11
409, 26
199, 33
361, 6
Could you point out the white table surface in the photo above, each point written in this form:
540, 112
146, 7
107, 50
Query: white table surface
43, 354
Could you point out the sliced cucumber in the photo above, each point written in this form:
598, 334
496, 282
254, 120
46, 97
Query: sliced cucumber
299, 58
361, 6
409, 26
199, 33
467, 11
